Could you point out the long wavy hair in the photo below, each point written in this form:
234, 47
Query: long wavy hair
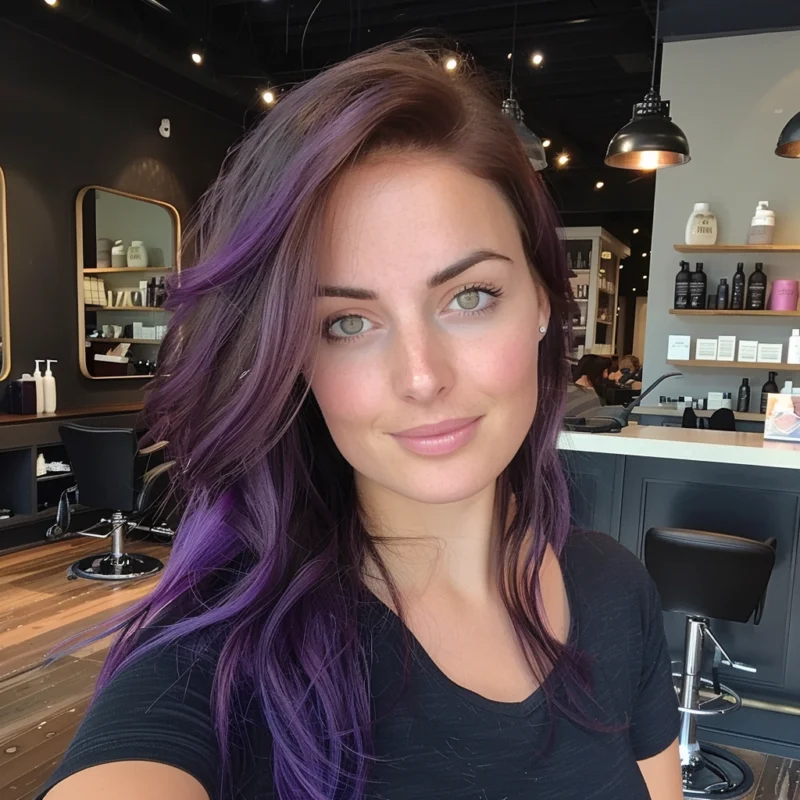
270, 503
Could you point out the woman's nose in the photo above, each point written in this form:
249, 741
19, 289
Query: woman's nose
422, 368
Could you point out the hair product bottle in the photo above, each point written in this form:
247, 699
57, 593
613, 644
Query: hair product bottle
770, 387
682, 281
701, 227
743, 401
757, 289
697, 288
722, 293
737, 293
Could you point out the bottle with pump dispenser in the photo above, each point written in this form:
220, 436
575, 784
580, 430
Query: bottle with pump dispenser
49, 384
743, 400
37, 377
757, 289
762, 226
770, 387
697, 287
793, 355
682, 281
701, 228
737, 288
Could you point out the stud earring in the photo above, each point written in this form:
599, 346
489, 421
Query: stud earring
542, 329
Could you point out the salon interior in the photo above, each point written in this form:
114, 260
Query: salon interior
668, 134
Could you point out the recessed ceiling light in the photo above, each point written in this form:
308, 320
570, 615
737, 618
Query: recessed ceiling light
562, 160
509, 56
546, 143
644, 276
537, 59
634, 288
599, 185
268, 96
644, 255
52, 3
450, 64
622, 266
197, 57
636, 230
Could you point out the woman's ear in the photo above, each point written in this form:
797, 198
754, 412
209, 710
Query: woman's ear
543, 321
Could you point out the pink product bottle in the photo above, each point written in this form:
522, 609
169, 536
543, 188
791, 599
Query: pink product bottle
783, 295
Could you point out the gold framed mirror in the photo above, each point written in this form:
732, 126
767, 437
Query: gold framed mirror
5, 313
127, 247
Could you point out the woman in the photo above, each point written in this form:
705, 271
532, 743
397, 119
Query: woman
587, 393
374, 592
628, 373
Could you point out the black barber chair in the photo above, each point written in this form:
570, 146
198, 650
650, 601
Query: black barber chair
104, 462
709, 576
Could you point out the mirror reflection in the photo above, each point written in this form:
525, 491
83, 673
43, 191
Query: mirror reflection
128, 248
5, 324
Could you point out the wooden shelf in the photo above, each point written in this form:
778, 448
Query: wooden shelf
715, 312
106, 270
51, 476
737, 248
603, 322
740, 365
128, 341
124, 308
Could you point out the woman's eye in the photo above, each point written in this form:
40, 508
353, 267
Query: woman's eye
470, 300
348, 327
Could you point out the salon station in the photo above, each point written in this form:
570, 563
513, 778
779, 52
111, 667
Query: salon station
111, 142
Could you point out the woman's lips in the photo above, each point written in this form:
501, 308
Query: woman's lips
439, 439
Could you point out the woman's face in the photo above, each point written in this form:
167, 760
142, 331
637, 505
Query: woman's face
426, 371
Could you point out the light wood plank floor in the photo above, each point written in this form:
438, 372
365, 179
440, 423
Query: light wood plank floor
42, 706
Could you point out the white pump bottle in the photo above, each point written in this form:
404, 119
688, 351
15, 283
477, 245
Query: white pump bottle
49, 384
37, 376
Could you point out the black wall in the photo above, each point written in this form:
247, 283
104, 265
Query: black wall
65, 122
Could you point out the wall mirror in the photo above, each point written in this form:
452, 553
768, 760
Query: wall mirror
5, 318
127, 248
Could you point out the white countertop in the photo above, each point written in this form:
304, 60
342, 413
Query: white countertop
685, 444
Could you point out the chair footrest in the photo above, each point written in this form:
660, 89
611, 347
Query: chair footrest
710, 703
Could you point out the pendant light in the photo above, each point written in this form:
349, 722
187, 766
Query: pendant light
789, 140
651, 140
530, 141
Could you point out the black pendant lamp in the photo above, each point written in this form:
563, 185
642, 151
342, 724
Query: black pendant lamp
530, 141
651, 140
789, 140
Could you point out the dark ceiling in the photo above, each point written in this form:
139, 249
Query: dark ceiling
597, 61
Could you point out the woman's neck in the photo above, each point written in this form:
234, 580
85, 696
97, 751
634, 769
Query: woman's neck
425, 546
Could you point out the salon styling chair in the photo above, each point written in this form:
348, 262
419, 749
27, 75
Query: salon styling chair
104, 462
709, 576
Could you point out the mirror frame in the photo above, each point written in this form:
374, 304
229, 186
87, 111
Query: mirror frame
5, 305
176, 242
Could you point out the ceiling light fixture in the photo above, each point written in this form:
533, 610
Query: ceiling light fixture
635, 231
622, 266
651, 140
546, 143
644, 276
52, 3
197, 57
634, 288
599, 185
451, 64
789, 141
644, 255
509, 56
537, 59
268, 96
562, 160
531, 143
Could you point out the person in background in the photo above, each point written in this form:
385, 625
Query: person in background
588, 390
628, 374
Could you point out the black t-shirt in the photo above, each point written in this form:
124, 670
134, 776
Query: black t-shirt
436, 739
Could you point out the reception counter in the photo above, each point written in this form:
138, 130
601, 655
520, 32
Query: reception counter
647, 476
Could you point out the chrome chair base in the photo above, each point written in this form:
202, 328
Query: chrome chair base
110, 567
718, 774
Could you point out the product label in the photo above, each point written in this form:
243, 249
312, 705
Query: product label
697, 295
681, 295
755, 298
737, 298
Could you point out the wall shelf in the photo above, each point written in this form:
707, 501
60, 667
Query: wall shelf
737, 248
740, 365
107, 270
715, 312
52, 476
124, 308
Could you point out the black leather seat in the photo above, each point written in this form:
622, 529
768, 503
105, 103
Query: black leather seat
706, 575
106, 468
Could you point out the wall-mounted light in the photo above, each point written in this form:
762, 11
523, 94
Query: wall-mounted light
537, 59
268, 96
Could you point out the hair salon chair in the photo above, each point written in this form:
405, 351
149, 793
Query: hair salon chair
709, 576
105, 464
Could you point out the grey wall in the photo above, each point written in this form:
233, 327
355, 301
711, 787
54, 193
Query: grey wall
731, 96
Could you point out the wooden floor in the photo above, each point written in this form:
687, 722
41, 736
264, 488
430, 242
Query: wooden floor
41, 706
